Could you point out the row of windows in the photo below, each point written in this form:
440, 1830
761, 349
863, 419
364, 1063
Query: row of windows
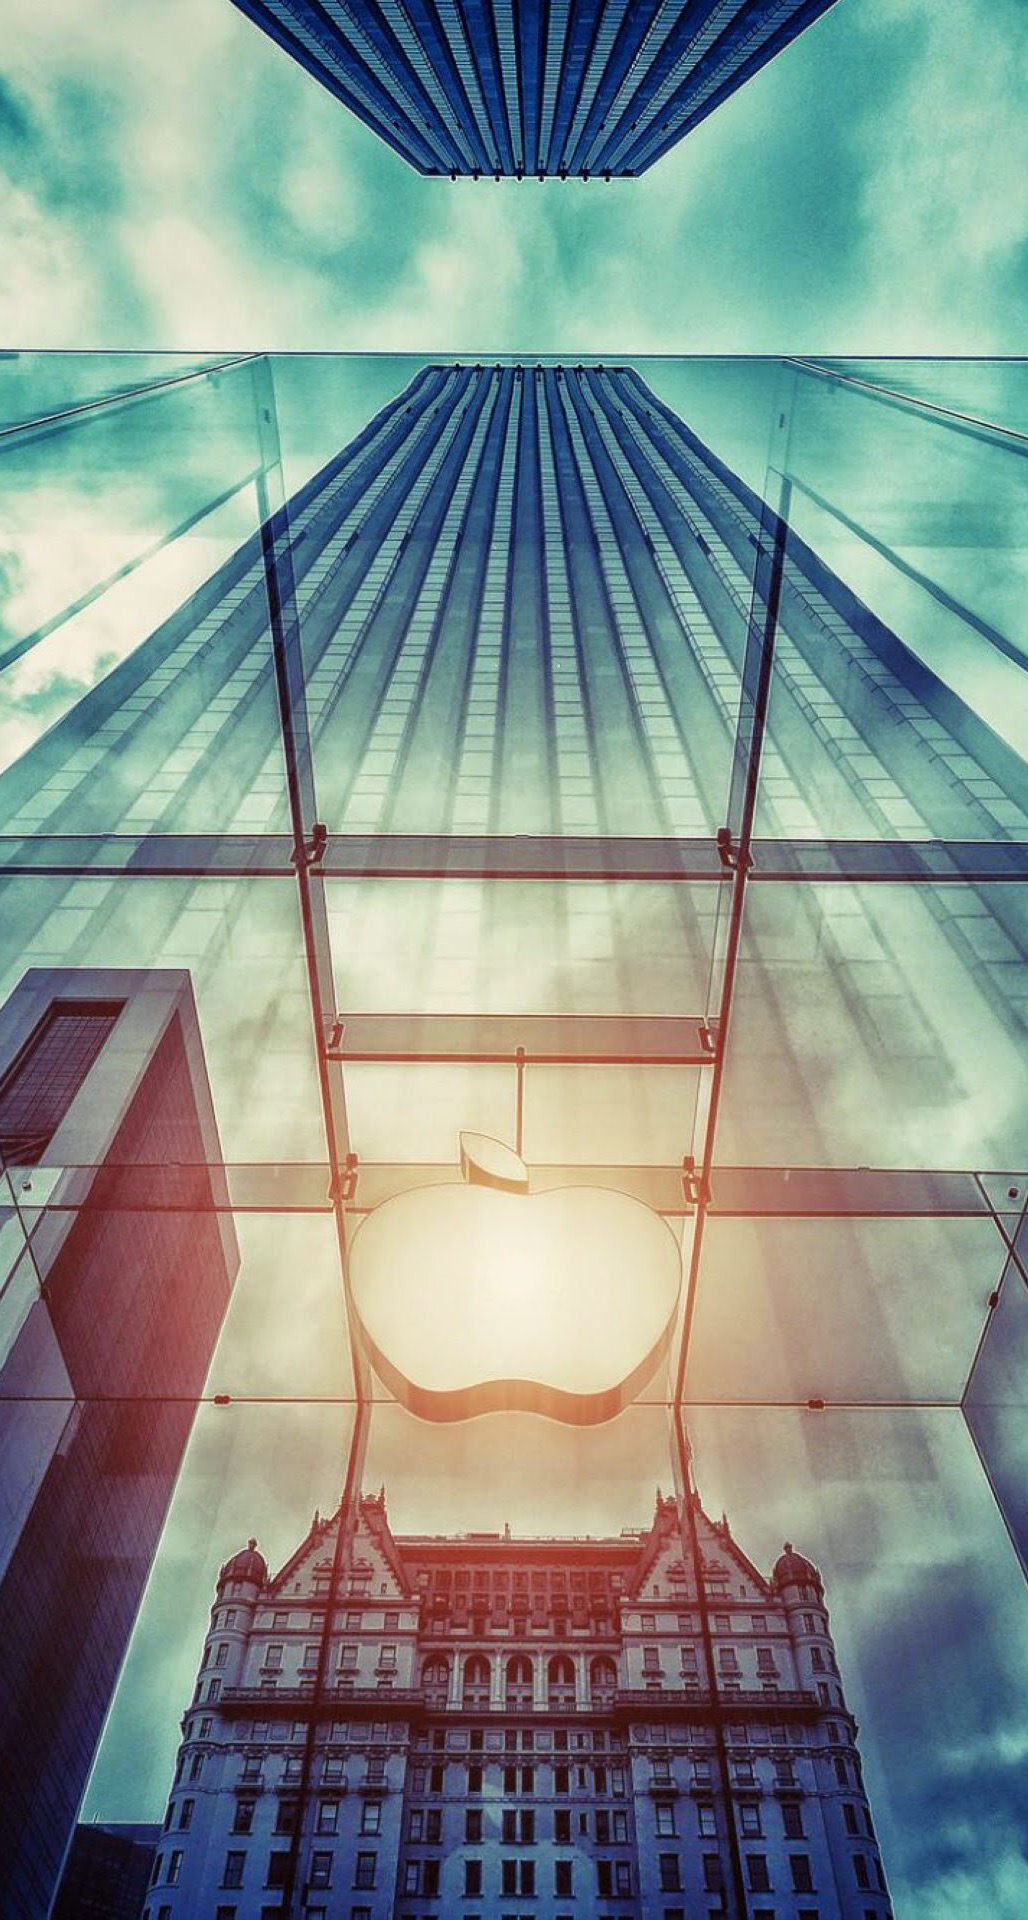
319, 1869
801, 1877
286, 1810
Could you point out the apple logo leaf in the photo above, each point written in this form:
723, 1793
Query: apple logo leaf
477, 1296
487, 1162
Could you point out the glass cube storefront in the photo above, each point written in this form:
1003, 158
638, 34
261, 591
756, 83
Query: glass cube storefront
625, 763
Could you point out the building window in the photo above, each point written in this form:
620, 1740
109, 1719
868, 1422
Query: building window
475, 1687
321, 1870
802, 1878
328, 1815
434, 1826
562, 1828
560, 1684
749, 1819
174, 1866
472, 1877
196, 1766
563, 1879
233, 1874
473, 1826
285, 1817
713, 1878
242, 1819
792, 1820
474, 1779
364, 1870
185, 1815
518, 1690
278, 1866
561, 1780
758, 1878
623, 1879
859, 1867
44, 1078
664, 1811
707, 1819
670, 1873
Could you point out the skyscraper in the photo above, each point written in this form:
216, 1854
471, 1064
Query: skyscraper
524, 595
120, 1263
543, 1726
107, 1873
599, 88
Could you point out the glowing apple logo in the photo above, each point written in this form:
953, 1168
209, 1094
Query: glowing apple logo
480, 1297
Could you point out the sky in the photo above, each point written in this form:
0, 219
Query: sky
173, 181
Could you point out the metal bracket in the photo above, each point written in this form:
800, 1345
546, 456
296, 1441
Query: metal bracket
730, 856
693, 1186
313, 850
345, 1188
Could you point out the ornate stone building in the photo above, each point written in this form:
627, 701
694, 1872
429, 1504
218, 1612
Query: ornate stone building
531, 1729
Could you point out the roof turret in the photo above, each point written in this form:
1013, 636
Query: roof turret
247, 1564
793, 1570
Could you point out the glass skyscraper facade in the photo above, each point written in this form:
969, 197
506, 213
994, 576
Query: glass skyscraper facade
596, 89
624, 762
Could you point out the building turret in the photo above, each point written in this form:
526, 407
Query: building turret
247, 1568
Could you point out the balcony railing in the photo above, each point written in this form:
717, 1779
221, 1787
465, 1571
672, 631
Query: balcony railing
630, 1702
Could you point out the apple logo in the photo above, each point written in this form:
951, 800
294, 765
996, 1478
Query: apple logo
481, 1297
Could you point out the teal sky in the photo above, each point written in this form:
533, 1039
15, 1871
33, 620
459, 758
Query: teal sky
173, 179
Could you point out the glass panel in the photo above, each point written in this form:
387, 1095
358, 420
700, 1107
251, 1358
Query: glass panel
135, 612
872, 1027
851, 1310
912, 717
248, 1470
994, 1404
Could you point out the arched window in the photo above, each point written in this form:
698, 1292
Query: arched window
475, 1695
603, 1681
435, 1681
560, 1684
519, 1683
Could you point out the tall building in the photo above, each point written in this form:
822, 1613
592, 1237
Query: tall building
524, 595
621, 1727
107, 1872
600, 87
119, 1261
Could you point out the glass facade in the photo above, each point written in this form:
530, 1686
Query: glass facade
600, 87
626, 763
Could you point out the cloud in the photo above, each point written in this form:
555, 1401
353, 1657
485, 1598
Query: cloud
175, 178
